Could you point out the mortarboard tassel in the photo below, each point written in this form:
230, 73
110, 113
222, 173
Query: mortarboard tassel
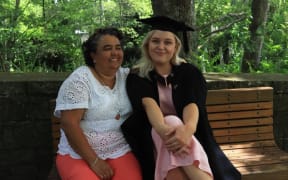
185, 43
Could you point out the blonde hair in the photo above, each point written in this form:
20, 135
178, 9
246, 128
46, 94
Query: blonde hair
145, 64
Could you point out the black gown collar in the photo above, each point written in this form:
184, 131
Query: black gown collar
162, 80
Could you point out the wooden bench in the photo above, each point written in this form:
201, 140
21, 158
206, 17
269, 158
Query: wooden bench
55, 127
55, 131
242, 123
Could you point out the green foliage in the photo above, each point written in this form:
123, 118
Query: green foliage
275, 51
222, 35
47, 36
230, 20
43, 37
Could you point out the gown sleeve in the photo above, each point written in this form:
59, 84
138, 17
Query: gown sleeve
137, 88
221, 167
137, 129
195, 86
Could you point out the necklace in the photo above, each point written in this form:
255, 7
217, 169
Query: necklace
116, 90
101, 79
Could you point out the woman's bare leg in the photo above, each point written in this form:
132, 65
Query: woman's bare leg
194, 172
176, 173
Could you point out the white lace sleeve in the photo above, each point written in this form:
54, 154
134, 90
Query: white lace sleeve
73, 93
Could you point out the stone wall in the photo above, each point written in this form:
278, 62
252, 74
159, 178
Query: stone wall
25, 135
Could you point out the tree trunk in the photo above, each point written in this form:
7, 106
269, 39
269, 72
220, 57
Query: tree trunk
8, 57
102, 16
252, 52
179, 10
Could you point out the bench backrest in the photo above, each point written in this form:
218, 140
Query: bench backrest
241, 114
55, 127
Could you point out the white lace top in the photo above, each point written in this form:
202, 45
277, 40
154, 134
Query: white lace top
82, 90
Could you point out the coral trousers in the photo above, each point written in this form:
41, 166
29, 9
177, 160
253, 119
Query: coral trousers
125, 167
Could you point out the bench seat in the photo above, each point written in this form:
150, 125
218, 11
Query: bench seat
242, 123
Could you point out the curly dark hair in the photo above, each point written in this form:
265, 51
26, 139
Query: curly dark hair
90, 45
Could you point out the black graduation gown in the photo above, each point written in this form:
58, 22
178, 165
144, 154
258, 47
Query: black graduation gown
188, 86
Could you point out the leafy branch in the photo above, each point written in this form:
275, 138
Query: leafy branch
238, 17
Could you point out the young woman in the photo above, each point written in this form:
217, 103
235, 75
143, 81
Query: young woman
168, 96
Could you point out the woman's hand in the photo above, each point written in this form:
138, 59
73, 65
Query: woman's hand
179, 140
102, 169
164, 132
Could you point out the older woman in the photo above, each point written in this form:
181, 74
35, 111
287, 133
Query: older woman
92, 104
168, 96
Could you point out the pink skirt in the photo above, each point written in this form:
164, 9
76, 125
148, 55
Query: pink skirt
166, 160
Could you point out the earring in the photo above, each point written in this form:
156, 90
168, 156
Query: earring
94, 61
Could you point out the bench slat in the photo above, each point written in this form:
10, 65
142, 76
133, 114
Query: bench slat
241, 122
243, 138
239, 95
277, 175
245, 145
55, 120
243, 131
257, 161
239, 107
240, 114
269, 168
252, 152
56, 126
56, 134
55, 146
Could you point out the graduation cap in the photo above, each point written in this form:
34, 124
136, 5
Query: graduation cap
164, 23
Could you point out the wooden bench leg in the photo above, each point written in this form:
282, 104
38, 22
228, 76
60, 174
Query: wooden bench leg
281, 175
